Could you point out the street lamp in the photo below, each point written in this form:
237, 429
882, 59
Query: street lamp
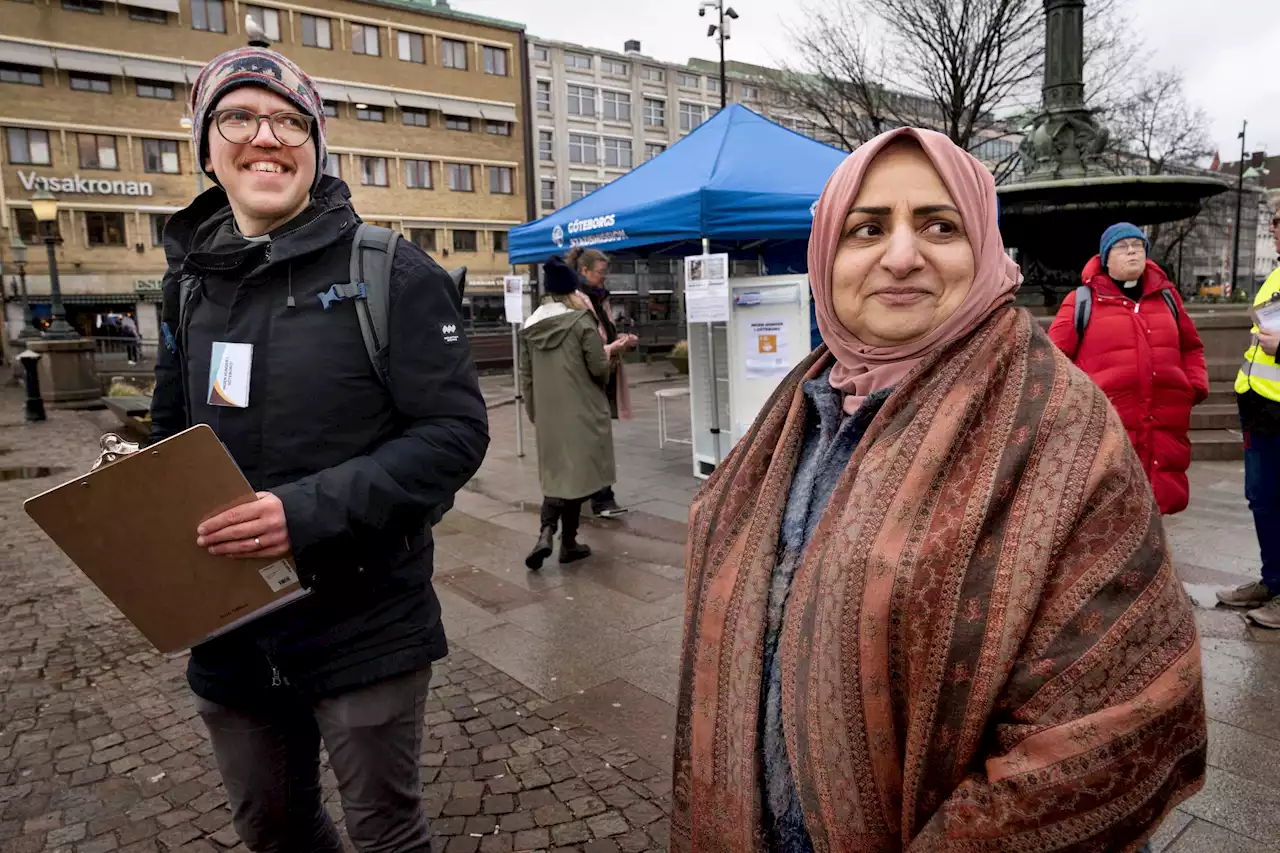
19, 251
721, 31
45, 206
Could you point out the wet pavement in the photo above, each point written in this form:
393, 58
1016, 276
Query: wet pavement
550, 724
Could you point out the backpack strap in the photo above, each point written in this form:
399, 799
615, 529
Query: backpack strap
1172, 302
1084, 309
372, 251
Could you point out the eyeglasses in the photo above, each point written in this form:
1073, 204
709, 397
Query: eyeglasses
1130, 246
241, 126
1275, 222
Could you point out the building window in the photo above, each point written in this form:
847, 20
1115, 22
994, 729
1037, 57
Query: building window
750, 93
464, 241
207, 15
373, 171
541, 54
29, 227
160, 155
364, 40
330, 109
158, 222
99, 83
713, 84
653, 149
617, 153
499, 241
583, 149
547, 196
453, 54
417, 174
582, 101
333, 165
29, 147
97, 151
495, 61
546, 145
581, 189
616, 106
693, 81
653, 75
655, 113
268, 19
691, 116
423, 238
497, 128
577, 60
501, 180
148, 16
155, 89
92, 6
460, 178
316, 32
613, 66
457, 123
367, 113
412, 47
414, 117
24, 74
543, 96
104, 229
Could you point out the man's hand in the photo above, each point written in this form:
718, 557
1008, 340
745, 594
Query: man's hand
1269, 341
249, 531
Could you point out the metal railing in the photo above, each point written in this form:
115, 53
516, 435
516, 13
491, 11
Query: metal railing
115, 351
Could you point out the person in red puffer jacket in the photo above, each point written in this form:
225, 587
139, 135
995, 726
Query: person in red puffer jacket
1143, 351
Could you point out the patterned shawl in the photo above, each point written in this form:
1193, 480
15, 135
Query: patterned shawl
985, 647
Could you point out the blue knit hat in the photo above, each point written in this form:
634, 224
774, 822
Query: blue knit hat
266, 69
558, 277
1116, 233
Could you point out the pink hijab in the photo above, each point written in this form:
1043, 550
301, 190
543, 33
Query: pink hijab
860, 369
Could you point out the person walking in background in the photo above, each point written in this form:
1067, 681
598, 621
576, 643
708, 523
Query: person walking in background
1127, 328
349, 462
564, 369
592, 266
1258, 396
930, 605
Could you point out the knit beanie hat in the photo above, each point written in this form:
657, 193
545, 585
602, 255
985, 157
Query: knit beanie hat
1116, 233
558, 277
254, 66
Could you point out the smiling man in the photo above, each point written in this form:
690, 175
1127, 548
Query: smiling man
351, 456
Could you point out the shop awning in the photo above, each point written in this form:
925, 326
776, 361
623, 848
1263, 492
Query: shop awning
146, 69
454, 107
420, 102
91, 63
21, 53
496, 112
377, 97
333, 92
158, 5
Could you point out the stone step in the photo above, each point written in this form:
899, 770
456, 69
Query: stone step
1218, 445
1214, 417
1221, 394
1223, 369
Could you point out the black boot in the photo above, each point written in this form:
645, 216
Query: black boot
542, 550
571, 549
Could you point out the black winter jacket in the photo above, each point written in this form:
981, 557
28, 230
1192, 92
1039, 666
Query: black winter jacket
358, 466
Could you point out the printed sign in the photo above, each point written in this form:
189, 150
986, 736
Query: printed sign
513, 298
766, 348
706, 288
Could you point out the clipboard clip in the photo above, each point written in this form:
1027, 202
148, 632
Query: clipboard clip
114, 448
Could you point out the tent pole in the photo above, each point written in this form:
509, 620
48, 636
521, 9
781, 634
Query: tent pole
515, 373
715, 381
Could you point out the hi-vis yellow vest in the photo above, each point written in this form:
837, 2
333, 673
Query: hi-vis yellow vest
1260, 371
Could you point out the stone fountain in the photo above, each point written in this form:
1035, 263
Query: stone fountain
1056, 214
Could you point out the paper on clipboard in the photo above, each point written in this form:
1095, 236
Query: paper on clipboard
147, 561
1267, 316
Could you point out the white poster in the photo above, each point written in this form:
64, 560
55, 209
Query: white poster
765, 349
706, 288
513, 298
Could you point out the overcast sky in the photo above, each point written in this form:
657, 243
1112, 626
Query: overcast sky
1229, 50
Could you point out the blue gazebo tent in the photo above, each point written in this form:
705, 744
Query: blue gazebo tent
739, 180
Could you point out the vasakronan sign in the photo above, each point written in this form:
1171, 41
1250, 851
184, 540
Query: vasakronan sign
83, 186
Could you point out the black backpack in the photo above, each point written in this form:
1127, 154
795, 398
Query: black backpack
1084, 307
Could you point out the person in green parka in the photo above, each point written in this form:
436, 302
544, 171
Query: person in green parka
564, 368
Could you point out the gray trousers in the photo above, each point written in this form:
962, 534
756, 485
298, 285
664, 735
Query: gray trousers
270, 766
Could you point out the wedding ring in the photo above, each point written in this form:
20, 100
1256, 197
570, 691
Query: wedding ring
257, 542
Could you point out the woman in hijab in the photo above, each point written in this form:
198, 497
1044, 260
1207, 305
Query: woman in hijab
930, 605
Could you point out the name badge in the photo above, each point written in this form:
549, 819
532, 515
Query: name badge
229, 370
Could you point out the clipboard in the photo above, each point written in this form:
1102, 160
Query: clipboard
130, 526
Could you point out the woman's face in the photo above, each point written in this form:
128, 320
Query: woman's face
596, 273
904, 263
1127, 260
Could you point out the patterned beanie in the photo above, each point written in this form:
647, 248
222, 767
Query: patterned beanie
254, 66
